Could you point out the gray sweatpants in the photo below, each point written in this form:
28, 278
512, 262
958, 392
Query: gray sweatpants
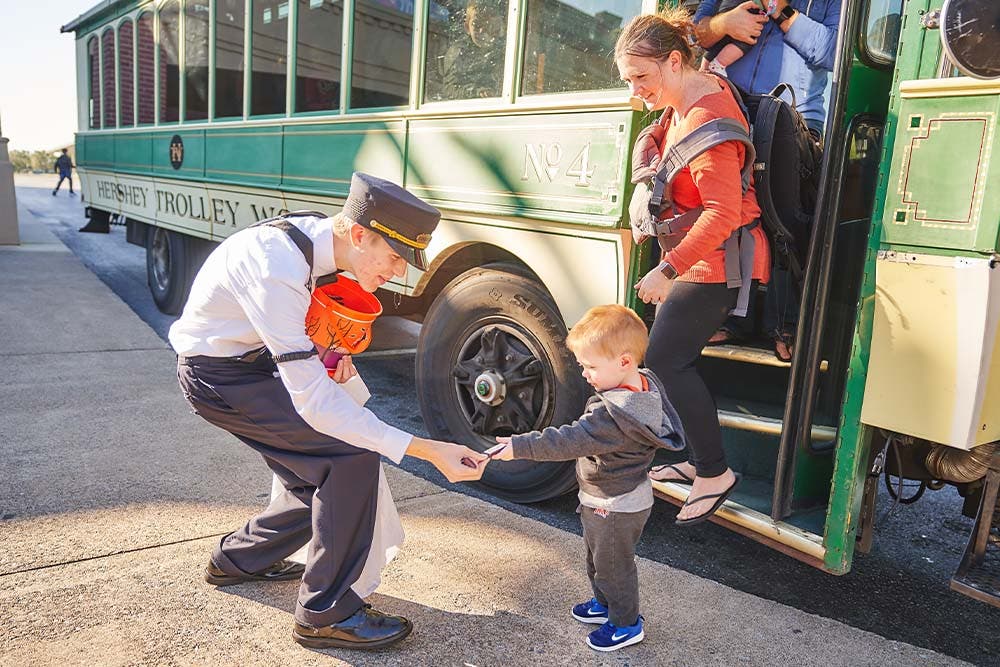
331, 487
610, 541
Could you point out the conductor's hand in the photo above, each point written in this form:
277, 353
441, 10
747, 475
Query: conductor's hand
743, 24
345, 369
654, 287
448, 458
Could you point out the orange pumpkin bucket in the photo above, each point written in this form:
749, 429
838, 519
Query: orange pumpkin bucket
340, 315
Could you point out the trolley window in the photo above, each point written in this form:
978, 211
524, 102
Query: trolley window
94, 83
146, 61
383, 45
465, 50
126, 74
229, 51
568, 45
319, 30
269, 45
108, 102
170, 82
196, 16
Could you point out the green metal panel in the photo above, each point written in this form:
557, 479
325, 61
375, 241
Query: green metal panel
854, 439
133, 152
543, 164
100, 150
936, 195
321, 158
250, 155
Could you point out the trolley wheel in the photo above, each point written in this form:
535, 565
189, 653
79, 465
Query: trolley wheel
492, 361
172, 261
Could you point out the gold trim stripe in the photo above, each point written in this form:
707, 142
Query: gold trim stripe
420, 244
947, 87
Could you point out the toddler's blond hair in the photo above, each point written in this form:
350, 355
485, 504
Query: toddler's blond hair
611, 331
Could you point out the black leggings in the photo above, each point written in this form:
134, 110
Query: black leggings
684, 323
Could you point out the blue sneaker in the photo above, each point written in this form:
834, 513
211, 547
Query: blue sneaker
591, 612
610, 637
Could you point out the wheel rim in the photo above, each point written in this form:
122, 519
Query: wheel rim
502, 381
161, 260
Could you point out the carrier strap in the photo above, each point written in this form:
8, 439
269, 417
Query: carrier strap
703, 138
739, 249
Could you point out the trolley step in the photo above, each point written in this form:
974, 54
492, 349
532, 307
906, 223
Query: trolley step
978, 575
751, 355
769, 426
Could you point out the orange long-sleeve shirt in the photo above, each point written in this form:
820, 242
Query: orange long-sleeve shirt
712, 180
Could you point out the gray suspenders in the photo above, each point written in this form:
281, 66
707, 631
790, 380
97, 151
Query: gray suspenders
305, 246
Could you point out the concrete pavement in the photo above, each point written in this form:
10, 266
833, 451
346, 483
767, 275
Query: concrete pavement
112, 494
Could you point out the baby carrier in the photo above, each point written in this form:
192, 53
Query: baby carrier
784, 159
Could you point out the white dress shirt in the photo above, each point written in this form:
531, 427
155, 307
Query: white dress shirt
252, 292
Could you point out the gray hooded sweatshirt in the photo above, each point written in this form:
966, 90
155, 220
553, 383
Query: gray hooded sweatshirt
613, 443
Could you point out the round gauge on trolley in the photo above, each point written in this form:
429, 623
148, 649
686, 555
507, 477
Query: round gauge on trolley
970, 32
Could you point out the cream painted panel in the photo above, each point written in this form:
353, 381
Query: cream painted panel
932, 372
580, 268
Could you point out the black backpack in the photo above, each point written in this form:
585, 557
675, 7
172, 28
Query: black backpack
786, 175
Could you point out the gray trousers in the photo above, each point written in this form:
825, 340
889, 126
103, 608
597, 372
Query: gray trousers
331, 487
610, 541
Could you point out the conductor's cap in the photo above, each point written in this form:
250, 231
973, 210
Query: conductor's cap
402, 219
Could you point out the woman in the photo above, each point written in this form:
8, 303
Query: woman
656, 61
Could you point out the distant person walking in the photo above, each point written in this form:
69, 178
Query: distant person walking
64, 167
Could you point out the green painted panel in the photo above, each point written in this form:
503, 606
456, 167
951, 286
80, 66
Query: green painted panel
250, 155
937, 191
565, 163
134, 152
321, 158
100, 151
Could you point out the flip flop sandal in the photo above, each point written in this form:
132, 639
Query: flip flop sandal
721, 498
785, 339
727, 337
683, 479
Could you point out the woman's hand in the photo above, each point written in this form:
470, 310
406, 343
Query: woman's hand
654, 287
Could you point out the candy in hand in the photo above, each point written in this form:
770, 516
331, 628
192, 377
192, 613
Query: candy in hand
493, 451
331, 358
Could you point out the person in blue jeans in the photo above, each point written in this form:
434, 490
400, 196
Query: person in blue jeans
64, 167
623, 425
796, 45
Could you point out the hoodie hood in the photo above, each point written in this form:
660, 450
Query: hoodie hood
646, 416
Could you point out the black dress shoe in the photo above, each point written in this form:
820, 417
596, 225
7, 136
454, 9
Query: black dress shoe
283, 569
366, 628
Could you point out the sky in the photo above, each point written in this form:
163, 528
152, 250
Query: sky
38, 72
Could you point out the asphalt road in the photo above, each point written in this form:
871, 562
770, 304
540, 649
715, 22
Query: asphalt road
899, 590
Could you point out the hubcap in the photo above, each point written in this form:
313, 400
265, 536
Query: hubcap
161, 259
490, 388
501, 383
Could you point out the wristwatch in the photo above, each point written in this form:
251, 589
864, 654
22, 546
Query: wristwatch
667, 269
786, 13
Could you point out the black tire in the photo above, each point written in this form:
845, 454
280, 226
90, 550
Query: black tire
497, 328
172, 261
